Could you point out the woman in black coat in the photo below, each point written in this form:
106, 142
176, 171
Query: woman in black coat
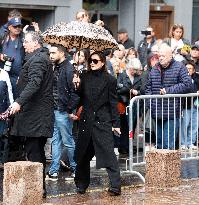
98, 119
128, 85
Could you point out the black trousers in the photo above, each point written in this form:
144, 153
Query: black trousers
82, 174
34, 148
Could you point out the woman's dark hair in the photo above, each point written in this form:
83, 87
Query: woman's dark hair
108, 52
86, 54
132, 49
102, 58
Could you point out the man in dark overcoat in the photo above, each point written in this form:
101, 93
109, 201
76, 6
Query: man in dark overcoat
33, 108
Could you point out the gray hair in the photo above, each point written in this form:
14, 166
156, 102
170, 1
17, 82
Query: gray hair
36, 37
134, 63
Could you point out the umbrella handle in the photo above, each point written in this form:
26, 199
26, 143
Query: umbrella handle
77, 75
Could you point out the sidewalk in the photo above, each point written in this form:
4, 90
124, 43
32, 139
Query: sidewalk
99, 180
185, 194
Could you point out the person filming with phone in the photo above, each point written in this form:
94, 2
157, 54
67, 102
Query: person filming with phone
144, 46
12, 50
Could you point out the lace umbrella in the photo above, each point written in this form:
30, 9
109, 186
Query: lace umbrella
80, 35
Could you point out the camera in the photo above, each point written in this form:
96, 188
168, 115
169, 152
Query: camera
30, 28
8, 62
146, 33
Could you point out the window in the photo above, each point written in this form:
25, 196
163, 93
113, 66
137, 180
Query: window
100, 5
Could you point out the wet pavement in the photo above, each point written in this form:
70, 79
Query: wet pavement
185, 194
133, 190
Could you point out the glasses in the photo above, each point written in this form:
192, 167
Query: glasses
18, 26
95, 61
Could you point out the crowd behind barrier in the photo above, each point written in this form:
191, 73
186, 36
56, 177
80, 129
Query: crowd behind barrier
155, 84
146, 137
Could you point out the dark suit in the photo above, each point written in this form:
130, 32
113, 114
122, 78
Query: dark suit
99, 99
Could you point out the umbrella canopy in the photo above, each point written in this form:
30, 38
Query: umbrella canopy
80, 35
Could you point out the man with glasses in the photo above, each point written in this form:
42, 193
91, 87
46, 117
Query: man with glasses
12, 51
12, 14
145, 45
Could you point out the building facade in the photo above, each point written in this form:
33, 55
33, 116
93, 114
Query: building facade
134, 15
45, 12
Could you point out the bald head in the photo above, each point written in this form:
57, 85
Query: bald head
165, 55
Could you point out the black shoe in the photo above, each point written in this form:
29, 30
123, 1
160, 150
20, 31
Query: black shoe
80, 190
64, 166
123, 151
44, 193
114, 192
70, 177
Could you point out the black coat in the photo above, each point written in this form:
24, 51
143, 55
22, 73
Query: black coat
99, 99
4, 96
144, 50
35, 97
124, 85
68, 99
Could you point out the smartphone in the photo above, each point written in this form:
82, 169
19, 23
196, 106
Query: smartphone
30, 28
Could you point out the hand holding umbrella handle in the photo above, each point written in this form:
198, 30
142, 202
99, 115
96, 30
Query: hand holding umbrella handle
76, 80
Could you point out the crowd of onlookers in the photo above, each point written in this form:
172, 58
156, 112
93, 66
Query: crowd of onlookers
155, 67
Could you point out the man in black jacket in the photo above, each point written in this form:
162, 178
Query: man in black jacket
124, 39
144, 46
34, 107
65, 102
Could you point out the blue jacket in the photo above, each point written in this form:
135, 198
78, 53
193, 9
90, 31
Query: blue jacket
4, 97
175, 80
17, 64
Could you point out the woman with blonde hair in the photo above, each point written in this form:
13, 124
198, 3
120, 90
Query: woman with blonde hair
83, 15
177, 42
118, 60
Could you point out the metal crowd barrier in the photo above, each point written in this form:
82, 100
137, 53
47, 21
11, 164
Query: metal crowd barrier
150, 132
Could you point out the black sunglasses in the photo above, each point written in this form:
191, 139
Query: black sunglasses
18, 26
95, 61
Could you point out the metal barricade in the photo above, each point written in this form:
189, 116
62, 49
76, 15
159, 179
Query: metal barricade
162, 122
